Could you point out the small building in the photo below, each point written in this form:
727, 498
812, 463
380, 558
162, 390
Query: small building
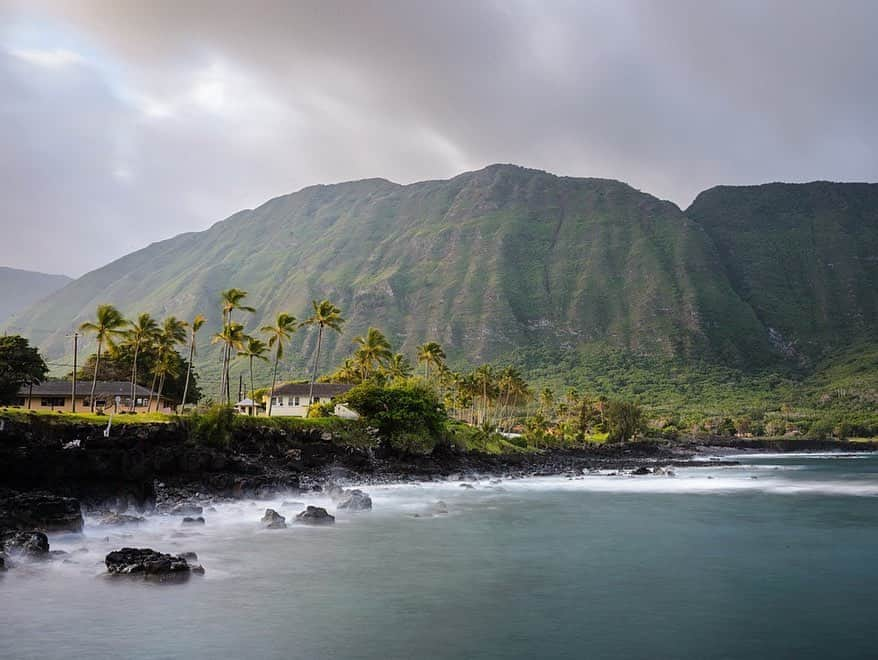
291, 400
249, 407
57, 395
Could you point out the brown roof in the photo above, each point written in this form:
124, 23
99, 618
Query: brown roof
320, 389
83, 388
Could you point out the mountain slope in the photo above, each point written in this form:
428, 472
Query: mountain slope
19, 289
488, 262
803, 256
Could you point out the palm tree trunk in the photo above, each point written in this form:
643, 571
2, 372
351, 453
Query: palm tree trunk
316, 359
134, 375
155, 377
94, 380
158, 398
252, 400
273, 383
188, 372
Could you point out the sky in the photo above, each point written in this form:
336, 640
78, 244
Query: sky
124, 123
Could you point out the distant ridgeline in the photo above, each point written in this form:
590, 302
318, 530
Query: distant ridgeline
584, 282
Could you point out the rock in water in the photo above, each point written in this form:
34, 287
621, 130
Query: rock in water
355, 500
641, 471
273, 520
42, 511
193, 521
121, 519
315, 515
31, 544
147, 563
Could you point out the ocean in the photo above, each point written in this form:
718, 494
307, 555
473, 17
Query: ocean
774, 558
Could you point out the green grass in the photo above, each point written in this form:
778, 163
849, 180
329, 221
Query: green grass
20, 414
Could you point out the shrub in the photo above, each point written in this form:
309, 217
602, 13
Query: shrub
212, 427
625, 421
401, 409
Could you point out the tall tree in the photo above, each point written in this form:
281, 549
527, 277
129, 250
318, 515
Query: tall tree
398, 366
232, 338
326, 315
232, 299
278, 335
374, 350
173, 332
253, 349
108, 323
431, 354
140, 333
20, 365
195, 326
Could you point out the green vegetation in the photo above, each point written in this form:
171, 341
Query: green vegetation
752, 312
20, 365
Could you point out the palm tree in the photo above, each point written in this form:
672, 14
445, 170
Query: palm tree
398, 366
547, 398
141, 332
484, 376
108, 323
280, 332
232, 339
326, 315
430, 353
197, 322
231, 300
374, 350
173, 332
255, 348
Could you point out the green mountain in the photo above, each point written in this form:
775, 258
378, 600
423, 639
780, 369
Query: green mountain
572, 278
19, 289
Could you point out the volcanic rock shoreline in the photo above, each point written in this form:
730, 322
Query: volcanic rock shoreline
142, 466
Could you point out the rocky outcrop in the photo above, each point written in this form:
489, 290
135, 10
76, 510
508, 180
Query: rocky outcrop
315, 515
355, 500
39, 510
190, 520
30, 544
113, 519
147, 563
273, 520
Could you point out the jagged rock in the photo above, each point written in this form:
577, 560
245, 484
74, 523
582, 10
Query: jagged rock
148, 563
199, 520
315, 515
121, 519
468, 486
189, 556
31, 544
273, 520
640, 471
355, 500
186, 509
42, 511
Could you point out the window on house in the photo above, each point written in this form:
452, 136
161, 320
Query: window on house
20, 401
295, 401
52, 401
316, 399
276, 401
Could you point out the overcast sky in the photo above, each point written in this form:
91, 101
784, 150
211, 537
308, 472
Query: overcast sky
123, 122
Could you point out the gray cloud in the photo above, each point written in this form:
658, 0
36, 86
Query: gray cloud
125, 123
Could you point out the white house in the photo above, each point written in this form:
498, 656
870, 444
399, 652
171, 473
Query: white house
291, 400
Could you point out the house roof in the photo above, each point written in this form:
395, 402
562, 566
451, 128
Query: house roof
104, 388
320, 389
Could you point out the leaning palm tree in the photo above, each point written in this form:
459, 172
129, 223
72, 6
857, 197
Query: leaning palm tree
430, 353
232, 339
231, 300
278, 334
197, 322
254, 348
374, 350
326, 315
140, 333
173, 332
108, 323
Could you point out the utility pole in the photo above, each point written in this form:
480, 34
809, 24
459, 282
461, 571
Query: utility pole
75, 352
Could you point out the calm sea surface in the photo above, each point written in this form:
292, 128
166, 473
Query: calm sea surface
777, 558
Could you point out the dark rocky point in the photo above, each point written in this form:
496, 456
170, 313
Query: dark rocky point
38, 510
315, 515
147, 563
641, 471
199, 520
30, 544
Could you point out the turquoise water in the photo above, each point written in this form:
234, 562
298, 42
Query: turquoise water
712, 563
